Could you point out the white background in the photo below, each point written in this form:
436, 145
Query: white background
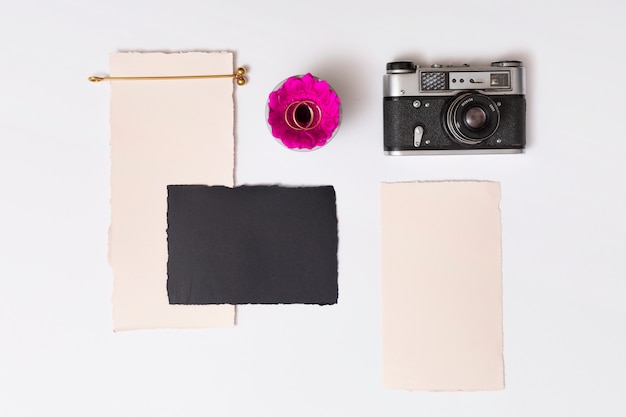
563, 209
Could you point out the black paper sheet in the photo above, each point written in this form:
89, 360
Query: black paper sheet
252, 245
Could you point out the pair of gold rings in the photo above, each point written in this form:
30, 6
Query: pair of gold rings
303, 115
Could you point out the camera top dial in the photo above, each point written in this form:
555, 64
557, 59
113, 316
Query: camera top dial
401, 67
506, 64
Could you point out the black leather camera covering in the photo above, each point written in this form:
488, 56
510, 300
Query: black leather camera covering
401, 117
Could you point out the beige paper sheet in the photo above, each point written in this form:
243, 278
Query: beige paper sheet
163, 132
442, 286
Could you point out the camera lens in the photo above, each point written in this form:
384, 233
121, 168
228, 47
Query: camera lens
475, 117
471, 118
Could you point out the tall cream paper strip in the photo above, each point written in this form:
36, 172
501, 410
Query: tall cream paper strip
163, 132
442, 286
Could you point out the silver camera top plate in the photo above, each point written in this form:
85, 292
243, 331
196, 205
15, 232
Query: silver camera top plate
502, 77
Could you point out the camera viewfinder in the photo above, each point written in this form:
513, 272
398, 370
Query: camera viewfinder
500, 79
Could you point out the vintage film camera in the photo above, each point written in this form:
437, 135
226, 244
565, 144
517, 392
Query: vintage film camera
454, 109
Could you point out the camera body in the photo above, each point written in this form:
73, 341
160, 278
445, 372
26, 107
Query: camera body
454, 109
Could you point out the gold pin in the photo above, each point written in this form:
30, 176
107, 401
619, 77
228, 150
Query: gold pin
238, 76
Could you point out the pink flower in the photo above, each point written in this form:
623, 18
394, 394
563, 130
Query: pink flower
304, 112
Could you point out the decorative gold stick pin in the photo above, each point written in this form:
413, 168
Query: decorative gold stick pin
239, 77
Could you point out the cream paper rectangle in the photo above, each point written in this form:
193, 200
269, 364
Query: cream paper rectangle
442, 286
163, 132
